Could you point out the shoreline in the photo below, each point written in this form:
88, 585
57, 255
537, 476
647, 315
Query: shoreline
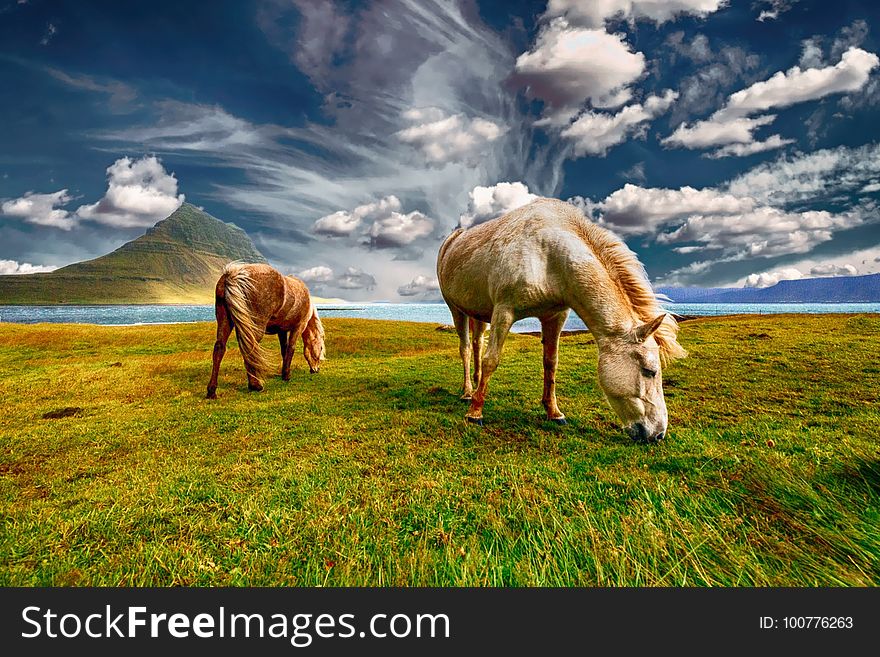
433, 322
678, 318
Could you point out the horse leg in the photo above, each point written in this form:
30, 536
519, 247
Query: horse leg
464, 349
502, 320
224, 329
551, 327
478, 328
285, 364
288, 354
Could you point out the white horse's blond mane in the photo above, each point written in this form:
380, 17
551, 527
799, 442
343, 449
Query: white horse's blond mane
631, 283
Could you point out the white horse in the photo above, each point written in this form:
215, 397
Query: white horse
541, 260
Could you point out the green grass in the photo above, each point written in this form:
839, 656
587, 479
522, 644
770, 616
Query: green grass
367, 474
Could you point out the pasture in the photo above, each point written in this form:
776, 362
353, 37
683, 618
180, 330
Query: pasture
114, 469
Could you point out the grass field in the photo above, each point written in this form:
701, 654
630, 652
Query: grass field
115, 471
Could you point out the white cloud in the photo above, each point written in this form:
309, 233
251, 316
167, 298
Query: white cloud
420, 285
318, 274
770, 278
338, 224
344, 222
635, 210
423, 114
12, 267
41, 209
569, 66
811, 177
734, 227
593, 133
851, 263
731, 125
797, 85
830, 269
485, 203
322, 277
811, 53
770, 211
704, 134
398, 229
740, 150
139, 193
355, 279
443, 139
762, 232
594, 13
772, 8
382, 224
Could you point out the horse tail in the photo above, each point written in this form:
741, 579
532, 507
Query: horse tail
238, 286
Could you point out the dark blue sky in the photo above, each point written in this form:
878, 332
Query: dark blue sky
348, 137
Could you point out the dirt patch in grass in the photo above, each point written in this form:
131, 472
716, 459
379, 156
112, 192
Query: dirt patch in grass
67, 411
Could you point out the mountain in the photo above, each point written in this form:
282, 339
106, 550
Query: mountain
839, 289
176, 261
694, 294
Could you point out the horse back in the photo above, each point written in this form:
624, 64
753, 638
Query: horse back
522, 258
266, 288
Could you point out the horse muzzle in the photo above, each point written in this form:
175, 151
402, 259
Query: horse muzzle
639, 433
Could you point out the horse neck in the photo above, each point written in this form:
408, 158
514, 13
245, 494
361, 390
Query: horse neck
598, 301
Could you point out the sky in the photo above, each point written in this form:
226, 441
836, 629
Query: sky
727, 142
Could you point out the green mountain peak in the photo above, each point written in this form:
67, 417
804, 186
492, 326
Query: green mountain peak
178, 260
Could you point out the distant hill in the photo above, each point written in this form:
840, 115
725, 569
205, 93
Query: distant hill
840, 289
176, 261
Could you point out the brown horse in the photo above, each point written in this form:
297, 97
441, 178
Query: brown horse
255, 300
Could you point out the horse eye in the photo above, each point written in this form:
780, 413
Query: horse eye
649, 373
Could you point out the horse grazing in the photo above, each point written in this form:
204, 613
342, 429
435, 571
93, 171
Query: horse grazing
256, 299
541, 260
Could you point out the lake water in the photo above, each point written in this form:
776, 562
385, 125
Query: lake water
408, 312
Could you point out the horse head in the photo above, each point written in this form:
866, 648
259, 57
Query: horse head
630, 377
313, 342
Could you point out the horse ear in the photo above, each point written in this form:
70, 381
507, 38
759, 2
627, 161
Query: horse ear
643, 332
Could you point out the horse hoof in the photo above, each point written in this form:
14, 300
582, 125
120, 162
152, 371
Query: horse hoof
254, 388
211, 395
466, 397
475, 420
561, 421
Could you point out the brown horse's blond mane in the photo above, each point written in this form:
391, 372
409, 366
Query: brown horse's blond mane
631, 283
